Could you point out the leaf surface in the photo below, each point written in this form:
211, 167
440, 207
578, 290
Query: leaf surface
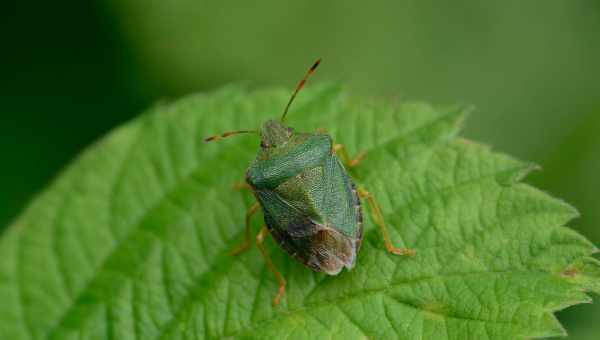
132, 240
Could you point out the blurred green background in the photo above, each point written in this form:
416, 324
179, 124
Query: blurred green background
72, 70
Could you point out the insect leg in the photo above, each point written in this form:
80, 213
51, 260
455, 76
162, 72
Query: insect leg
378, 219
253, 209
346, 158
260, 238
241, 186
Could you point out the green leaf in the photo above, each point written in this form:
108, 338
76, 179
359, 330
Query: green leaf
132, 240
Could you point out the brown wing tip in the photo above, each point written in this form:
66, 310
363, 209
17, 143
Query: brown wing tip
334, 251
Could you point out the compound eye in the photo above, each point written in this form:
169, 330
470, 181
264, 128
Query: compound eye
290, 130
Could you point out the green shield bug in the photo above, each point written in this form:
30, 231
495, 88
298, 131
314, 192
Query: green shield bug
310, 204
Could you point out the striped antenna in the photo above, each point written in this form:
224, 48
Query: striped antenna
300, 86
227, 134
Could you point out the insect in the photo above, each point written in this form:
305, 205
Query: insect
310, 204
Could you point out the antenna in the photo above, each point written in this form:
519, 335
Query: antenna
300, 86
227, 134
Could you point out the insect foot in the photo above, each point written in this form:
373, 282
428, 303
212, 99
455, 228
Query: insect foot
378, 219
403, 251
260, 239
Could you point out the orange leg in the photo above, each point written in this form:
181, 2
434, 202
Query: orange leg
260, 238
241, 186
350, 163
246, 244
378, 219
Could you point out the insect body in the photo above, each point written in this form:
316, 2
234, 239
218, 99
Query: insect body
311, 206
